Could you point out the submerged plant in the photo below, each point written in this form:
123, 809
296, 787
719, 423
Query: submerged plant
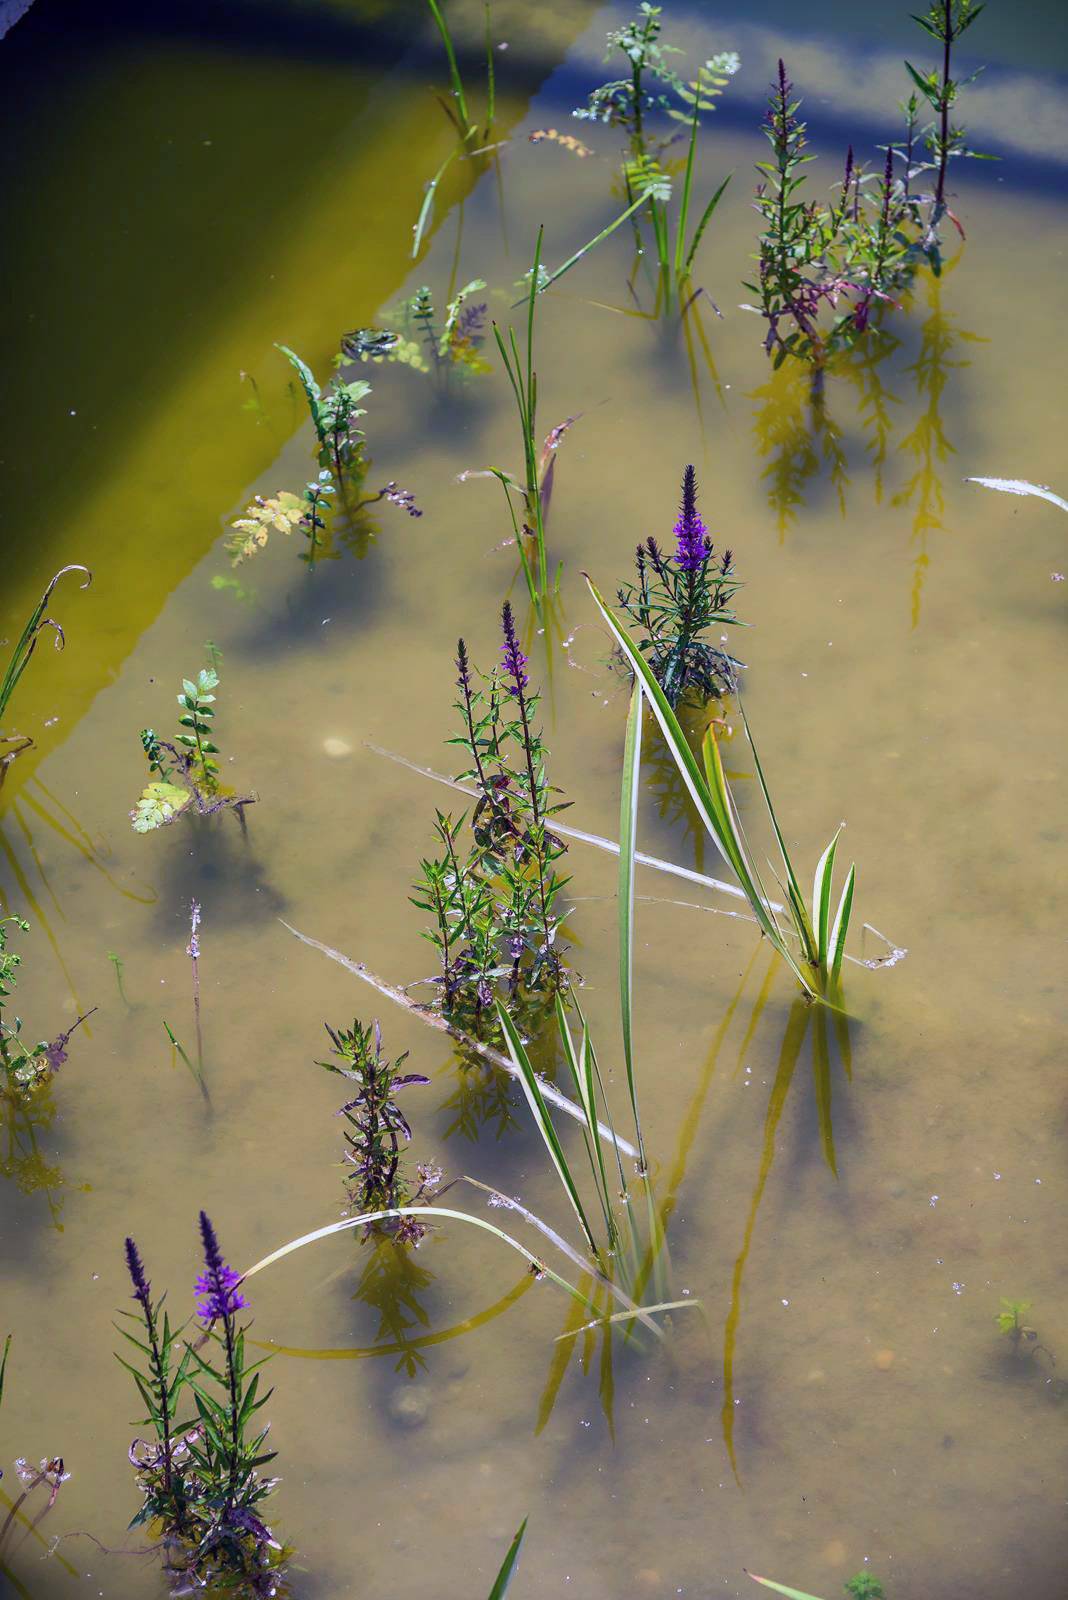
12, 745
862, 1587
1010, 1321
376, 1129
415, 337
184, 776
200, 1477
493, 889
678, 597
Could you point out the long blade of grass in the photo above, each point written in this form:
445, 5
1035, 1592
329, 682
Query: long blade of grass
454, 70
27, 641
428, 204
416, 1211
3, 1364
434, 1020
625, 1316
841, 923
703, 224
491, 92
687, 186
1021, 486
781, 1588
794, 894
717, 820
543, 1121
504, 1577
821, 900
628, 833
586, 248
582, 1078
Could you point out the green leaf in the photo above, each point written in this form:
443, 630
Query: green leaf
159, 804
504, 1577
705, 220
542, 1120
821, 900
841, 923
780, 1588
628, 834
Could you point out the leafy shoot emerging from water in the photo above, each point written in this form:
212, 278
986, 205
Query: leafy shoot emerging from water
1010, 1321
376, 1131
185, 775
12, 745
25, 1069
677, 599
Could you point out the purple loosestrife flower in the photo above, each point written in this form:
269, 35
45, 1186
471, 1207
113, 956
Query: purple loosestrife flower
216, 1288
136, 1269
692, 543
515, 661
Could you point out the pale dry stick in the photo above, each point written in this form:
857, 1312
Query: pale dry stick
434, 1020
896, 952
192, 950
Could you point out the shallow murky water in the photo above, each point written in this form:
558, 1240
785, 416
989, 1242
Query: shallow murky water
848, 1217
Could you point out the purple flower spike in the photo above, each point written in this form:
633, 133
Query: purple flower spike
693, 545
216, 1288
514, 659
136, 1268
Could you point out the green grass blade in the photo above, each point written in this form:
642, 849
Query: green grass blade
586, 248
796, 898
454, 70
427, 206
3, 1364
687, 186
582, 1077
628, 833
780, 1588
717, 817
491, 92
35, 625
841, 923
705, 220
821, 901
540, 1113
504, 1577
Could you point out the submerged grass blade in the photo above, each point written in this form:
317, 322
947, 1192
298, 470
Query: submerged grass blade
1021, 486
3, 1364
781, 1588
543, 1121
625, 1316
504, 1577
703, 224
628, 833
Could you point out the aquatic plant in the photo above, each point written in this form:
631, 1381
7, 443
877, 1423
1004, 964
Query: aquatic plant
458, 113
508, 1565
186, 778
375, 1129
862, 1587
200, 1477
945, 21
494, 888
1010, 1321
627, 102
413, 336
163, 1465
25, 1069
50, 1473
678, 597
818, 964
524, 381
333, 412
12, 745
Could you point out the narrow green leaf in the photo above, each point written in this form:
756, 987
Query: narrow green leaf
780, 1588
705, 220
821, 900
504, 1577
841, 923
628, 833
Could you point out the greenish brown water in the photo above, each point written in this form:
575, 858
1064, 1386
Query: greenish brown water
843, 1396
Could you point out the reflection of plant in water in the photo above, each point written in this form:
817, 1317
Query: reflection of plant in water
375, 1129
24, 1070
22, 1119
796, 434
927, 443
390, 1284
861, 368
484, 1097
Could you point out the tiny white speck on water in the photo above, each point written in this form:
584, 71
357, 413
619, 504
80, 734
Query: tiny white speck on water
786, 1302
997, 1177
958, 1288
1038, 1180
934, 1199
